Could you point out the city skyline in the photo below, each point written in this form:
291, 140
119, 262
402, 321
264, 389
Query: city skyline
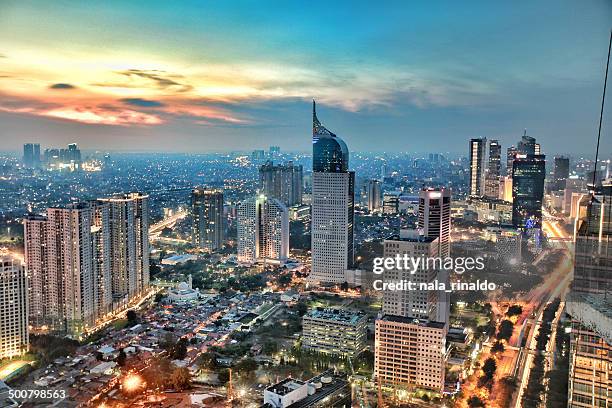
417, 76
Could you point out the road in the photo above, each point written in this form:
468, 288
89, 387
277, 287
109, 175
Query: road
156, 229
516, 360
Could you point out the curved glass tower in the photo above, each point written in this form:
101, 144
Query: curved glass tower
333, 190
329, 152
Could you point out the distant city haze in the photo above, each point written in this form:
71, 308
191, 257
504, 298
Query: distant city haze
208, 77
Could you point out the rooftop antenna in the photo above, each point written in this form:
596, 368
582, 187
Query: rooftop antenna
603, 100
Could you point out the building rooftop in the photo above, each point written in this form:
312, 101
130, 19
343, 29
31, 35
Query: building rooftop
285, 386
410, 320
339, 315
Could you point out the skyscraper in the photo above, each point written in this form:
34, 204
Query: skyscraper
416, 304
510, 155
593, 246
434, 216
59, 261
207, 218
528, 173
410, 342
84, 257
333, 190
590, 375
283, 182
493, 170
527, 145
129, 244
374, 193
31, 155
477, 166
13, 307
561, 172
263, 231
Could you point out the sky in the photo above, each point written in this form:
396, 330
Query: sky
391, 76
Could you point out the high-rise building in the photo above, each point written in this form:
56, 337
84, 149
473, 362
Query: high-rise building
410, 353
374, 193
593, 246
60, 263
561, 172
391, 201
477, 166
207, 218
410, 338
434, 216
283, 182
263, 231
339, 332
82, 258
333, 191
101, 258
528, 173
13, 307
493, 172
510, 155
129, 243
528, 145
31, 155
417, 303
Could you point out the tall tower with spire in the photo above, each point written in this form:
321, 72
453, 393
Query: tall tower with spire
333, 192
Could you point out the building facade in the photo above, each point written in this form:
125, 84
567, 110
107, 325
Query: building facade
284, 182
374, 194
339, 332
528, 173
14, 339
435, 216
410, 353
493, 172
478, 151
333, 196
263, 231
207, 218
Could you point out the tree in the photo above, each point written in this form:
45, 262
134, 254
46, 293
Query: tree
207, 361
157, 374
179, 351
248, 365
223, 376
498, 347
475, 402
488, 368
514, 310
132, 317
121, 358
301, 308
504, 332
180, 379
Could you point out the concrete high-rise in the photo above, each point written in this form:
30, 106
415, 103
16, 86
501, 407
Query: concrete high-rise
263, 231
129, 244
333, 190
478, 152
410, 337
283, 182
374, 195
59, 260
31, 155
13, 307
435, 217
417, 303
207, 218
528, 173
85, 260
493, 171
561, 172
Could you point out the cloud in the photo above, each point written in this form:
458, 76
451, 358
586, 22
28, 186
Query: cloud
145, 103
62, 86
162, 79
